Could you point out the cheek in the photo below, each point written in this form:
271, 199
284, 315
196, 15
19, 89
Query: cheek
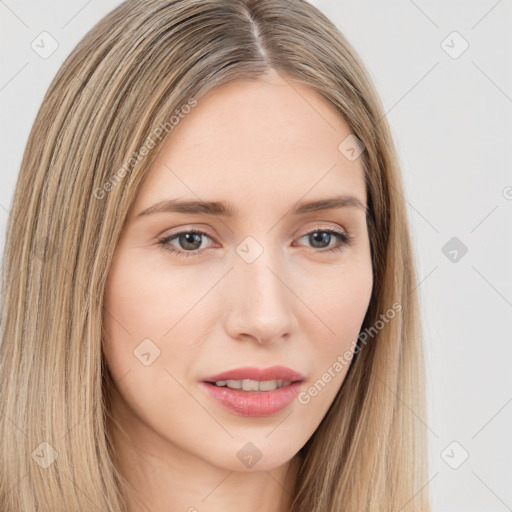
130, 319
132, 301
150, 317
351, 295
148, 296
340, 298
332, 334
339, 312
138, 312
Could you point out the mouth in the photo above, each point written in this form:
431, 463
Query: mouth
253, 391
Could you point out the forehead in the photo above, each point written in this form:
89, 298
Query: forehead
256, 140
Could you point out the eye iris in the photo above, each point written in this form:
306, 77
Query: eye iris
190, 238
320, 236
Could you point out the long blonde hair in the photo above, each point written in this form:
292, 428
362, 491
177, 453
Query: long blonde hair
84, 161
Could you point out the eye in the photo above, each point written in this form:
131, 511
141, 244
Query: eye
189, 240
322, 237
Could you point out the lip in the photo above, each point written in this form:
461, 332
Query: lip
260, 374
254, 403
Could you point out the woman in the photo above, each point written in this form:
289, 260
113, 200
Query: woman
280, 367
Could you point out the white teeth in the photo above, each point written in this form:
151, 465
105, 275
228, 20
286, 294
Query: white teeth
268, 385
253, 385
250, 385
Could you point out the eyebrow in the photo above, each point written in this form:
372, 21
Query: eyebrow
224, 209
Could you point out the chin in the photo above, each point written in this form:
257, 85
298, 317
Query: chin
252, 457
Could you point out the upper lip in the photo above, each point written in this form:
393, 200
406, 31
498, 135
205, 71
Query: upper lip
259, 374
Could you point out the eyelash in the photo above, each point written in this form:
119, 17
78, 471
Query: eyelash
343, 238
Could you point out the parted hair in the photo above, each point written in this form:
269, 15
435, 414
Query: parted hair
83, 164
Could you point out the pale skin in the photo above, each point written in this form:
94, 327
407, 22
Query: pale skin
263, 146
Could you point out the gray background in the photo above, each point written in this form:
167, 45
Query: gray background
450, 113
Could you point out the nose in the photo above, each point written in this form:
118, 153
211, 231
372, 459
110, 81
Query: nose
259, 303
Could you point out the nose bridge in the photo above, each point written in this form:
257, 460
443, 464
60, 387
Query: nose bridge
260, 306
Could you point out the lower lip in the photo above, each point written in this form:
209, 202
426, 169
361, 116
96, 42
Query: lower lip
253, 403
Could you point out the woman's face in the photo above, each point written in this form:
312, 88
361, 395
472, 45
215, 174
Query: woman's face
260, 287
